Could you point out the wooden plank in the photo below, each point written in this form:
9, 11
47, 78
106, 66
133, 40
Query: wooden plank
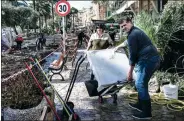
44, 113
154, 6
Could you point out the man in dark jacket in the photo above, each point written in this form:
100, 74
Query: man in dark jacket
81, 36
41, 41
144, 57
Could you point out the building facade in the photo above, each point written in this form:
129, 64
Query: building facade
137, 6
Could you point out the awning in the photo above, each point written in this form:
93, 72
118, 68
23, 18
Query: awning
126, 5
98, 21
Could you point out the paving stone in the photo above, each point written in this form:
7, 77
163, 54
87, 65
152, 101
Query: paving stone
179, 118
168, 116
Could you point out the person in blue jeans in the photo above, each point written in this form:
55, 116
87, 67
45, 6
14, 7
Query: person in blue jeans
144, 56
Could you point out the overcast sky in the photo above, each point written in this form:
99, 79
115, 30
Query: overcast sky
80, 4
77, 4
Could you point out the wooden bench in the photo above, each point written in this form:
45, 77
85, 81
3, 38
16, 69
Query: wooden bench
58, 69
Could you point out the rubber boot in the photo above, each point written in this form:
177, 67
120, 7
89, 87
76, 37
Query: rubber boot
146, 110
136, 105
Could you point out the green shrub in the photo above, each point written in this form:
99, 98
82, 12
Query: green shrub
47, 31
147, 23
172, 21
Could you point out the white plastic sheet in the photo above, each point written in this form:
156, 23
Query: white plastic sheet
8, 35
108, 67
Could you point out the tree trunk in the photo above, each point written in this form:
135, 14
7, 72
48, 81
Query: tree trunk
52, 17
16, 2
45, 22
27, 30
22, 27
40, 24
42, 21
14, 27
11, 38
34, 7
39, 19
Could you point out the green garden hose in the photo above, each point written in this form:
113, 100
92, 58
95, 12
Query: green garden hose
37, 62
173, 104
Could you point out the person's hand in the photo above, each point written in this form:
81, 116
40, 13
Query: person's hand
129, 77
110, 47
115, 49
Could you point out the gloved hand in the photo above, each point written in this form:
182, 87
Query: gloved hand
116, 48
113, 53
124, 44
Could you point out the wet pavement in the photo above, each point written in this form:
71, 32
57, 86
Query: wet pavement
89, 109
12, 63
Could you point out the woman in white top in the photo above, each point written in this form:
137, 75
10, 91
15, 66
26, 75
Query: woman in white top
100, 39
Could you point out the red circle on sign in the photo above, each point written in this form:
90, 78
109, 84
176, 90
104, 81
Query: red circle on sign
68, 6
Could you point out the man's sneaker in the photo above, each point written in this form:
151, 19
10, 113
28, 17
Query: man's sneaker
136, 106
142, 116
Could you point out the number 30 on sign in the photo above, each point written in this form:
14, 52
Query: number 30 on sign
62, 8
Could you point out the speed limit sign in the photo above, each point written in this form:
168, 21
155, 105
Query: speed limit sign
62, 8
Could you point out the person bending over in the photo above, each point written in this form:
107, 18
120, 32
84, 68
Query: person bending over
144, 56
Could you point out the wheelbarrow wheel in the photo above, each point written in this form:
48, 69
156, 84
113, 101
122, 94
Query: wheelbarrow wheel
115, 97
75, 117
100, 99
71, 106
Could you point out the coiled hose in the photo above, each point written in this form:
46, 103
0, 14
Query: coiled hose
172, 104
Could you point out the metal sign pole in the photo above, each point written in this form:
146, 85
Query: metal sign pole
63, 19
62, 9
